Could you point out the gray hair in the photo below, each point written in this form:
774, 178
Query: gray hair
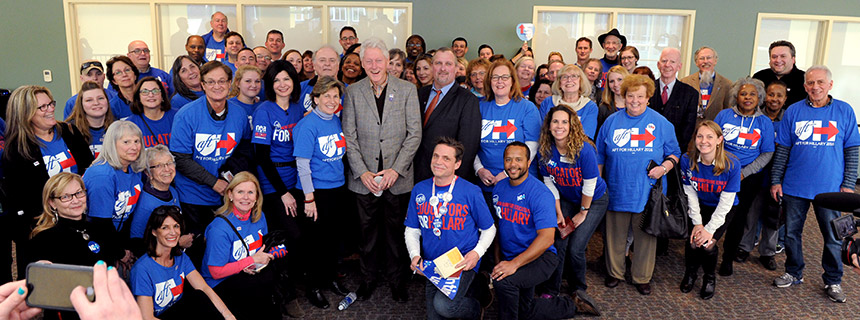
759, 88
819, 67
374, 42
113, 134
696, 55
153, 152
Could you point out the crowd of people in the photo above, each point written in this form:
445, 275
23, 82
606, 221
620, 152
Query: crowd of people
209, 173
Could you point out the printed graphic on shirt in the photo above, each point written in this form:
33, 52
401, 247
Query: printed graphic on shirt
215, 55
239, 248
514, 213
742, 134
60, 162
167, 292
282, 132
454, 219
704, 184
498, 129
125, 201
821, 133
564, 177
216, 145
627, 139
260, 132
332, 145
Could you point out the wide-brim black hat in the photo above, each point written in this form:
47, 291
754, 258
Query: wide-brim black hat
613, 32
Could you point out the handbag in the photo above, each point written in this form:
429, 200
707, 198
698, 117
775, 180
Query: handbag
666, 215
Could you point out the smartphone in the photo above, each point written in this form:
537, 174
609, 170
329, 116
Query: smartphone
51, 284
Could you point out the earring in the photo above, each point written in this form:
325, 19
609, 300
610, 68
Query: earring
55, 215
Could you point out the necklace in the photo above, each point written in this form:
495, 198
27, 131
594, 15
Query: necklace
84, 234
438, 211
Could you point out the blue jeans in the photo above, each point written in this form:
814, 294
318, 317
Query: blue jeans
464, 306
795, 216
573, 247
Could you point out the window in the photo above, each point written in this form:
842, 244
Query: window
825, 40
649, 30
101, 31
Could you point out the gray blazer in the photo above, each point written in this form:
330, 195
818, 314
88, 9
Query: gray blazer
397, 135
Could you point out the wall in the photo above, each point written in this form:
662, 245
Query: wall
34, 31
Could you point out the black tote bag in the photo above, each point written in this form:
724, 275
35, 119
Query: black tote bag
666, 215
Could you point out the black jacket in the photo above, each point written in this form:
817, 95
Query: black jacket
458, 116
25, 178
680, 109
64, 243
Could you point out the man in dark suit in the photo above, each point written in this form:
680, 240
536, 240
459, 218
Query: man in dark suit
382, 127
455, 114
675, 100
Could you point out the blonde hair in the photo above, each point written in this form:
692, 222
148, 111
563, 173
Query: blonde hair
227, 208
78, 117
21, 108
608, 95
53, 187
240, 72
721, 159
584, 86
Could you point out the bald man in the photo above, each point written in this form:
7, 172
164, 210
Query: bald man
216, 49
195, 46
139, 54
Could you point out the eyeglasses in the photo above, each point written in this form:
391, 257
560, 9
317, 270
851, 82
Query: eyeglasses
48, 106
221, 82
479, 74
139, 51
505, 77
68, 197
126, 70
627, 58
413, 45
145, 92
264, 57
348, 38
170, 164
569, 77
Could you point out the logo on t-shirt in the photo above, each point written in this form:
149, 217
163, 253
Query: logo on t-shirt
498, 129
166, 292
419, 199
742, 134
221, 144
125, 200
60, 162
282, 133
333, 144
645, 139
817, 129
239, 248
260, 132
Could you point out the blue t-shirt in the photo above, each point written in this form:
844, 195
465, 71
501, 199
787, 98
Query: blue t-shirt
817, 138
708, 186
500, 125
249, 108
119, 108
215, 50
178, 101
746, 137
568, 174
145, 206
164, 77
321, 141
522, 211
274, 127
56, 156
587, 115
209, 142
98, 139
467, 212
223, 246
164, 285
305, 97
70, 104
155, 132
625, 146
112, 193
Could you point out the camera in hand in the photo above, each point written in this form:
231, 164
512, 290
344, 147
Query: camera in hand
844, 227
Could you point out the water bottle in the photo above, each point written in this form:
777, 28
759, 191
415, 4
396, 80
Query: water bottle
348, 300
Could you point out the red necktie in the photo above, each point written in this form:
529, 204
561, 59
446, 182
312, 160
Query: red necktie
665, 94
432, 106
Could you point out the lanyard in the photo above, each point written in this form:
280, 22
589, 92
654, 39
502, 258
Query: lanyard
438, 211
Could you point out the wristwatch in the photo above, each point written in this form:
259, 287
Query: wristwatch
583, 208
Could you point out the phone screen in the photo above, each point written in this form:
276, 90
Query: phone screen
51, 284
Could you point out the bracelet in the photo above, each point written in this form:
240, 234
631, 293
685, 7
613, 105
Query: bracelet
664, 169
310, 201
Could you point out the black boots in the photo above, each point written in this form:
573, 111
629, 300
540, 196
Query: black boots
709, 284
687, 282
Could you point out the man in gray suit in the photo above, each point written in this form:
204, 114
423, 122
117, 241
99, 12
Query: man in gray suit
382, 127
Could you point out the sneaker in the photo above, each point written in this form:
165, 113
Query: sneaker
786, 280
834, 292
780, 248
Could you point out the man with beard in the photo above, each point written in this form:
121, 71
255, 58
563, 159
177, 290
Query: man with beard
526, 213
713, 87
